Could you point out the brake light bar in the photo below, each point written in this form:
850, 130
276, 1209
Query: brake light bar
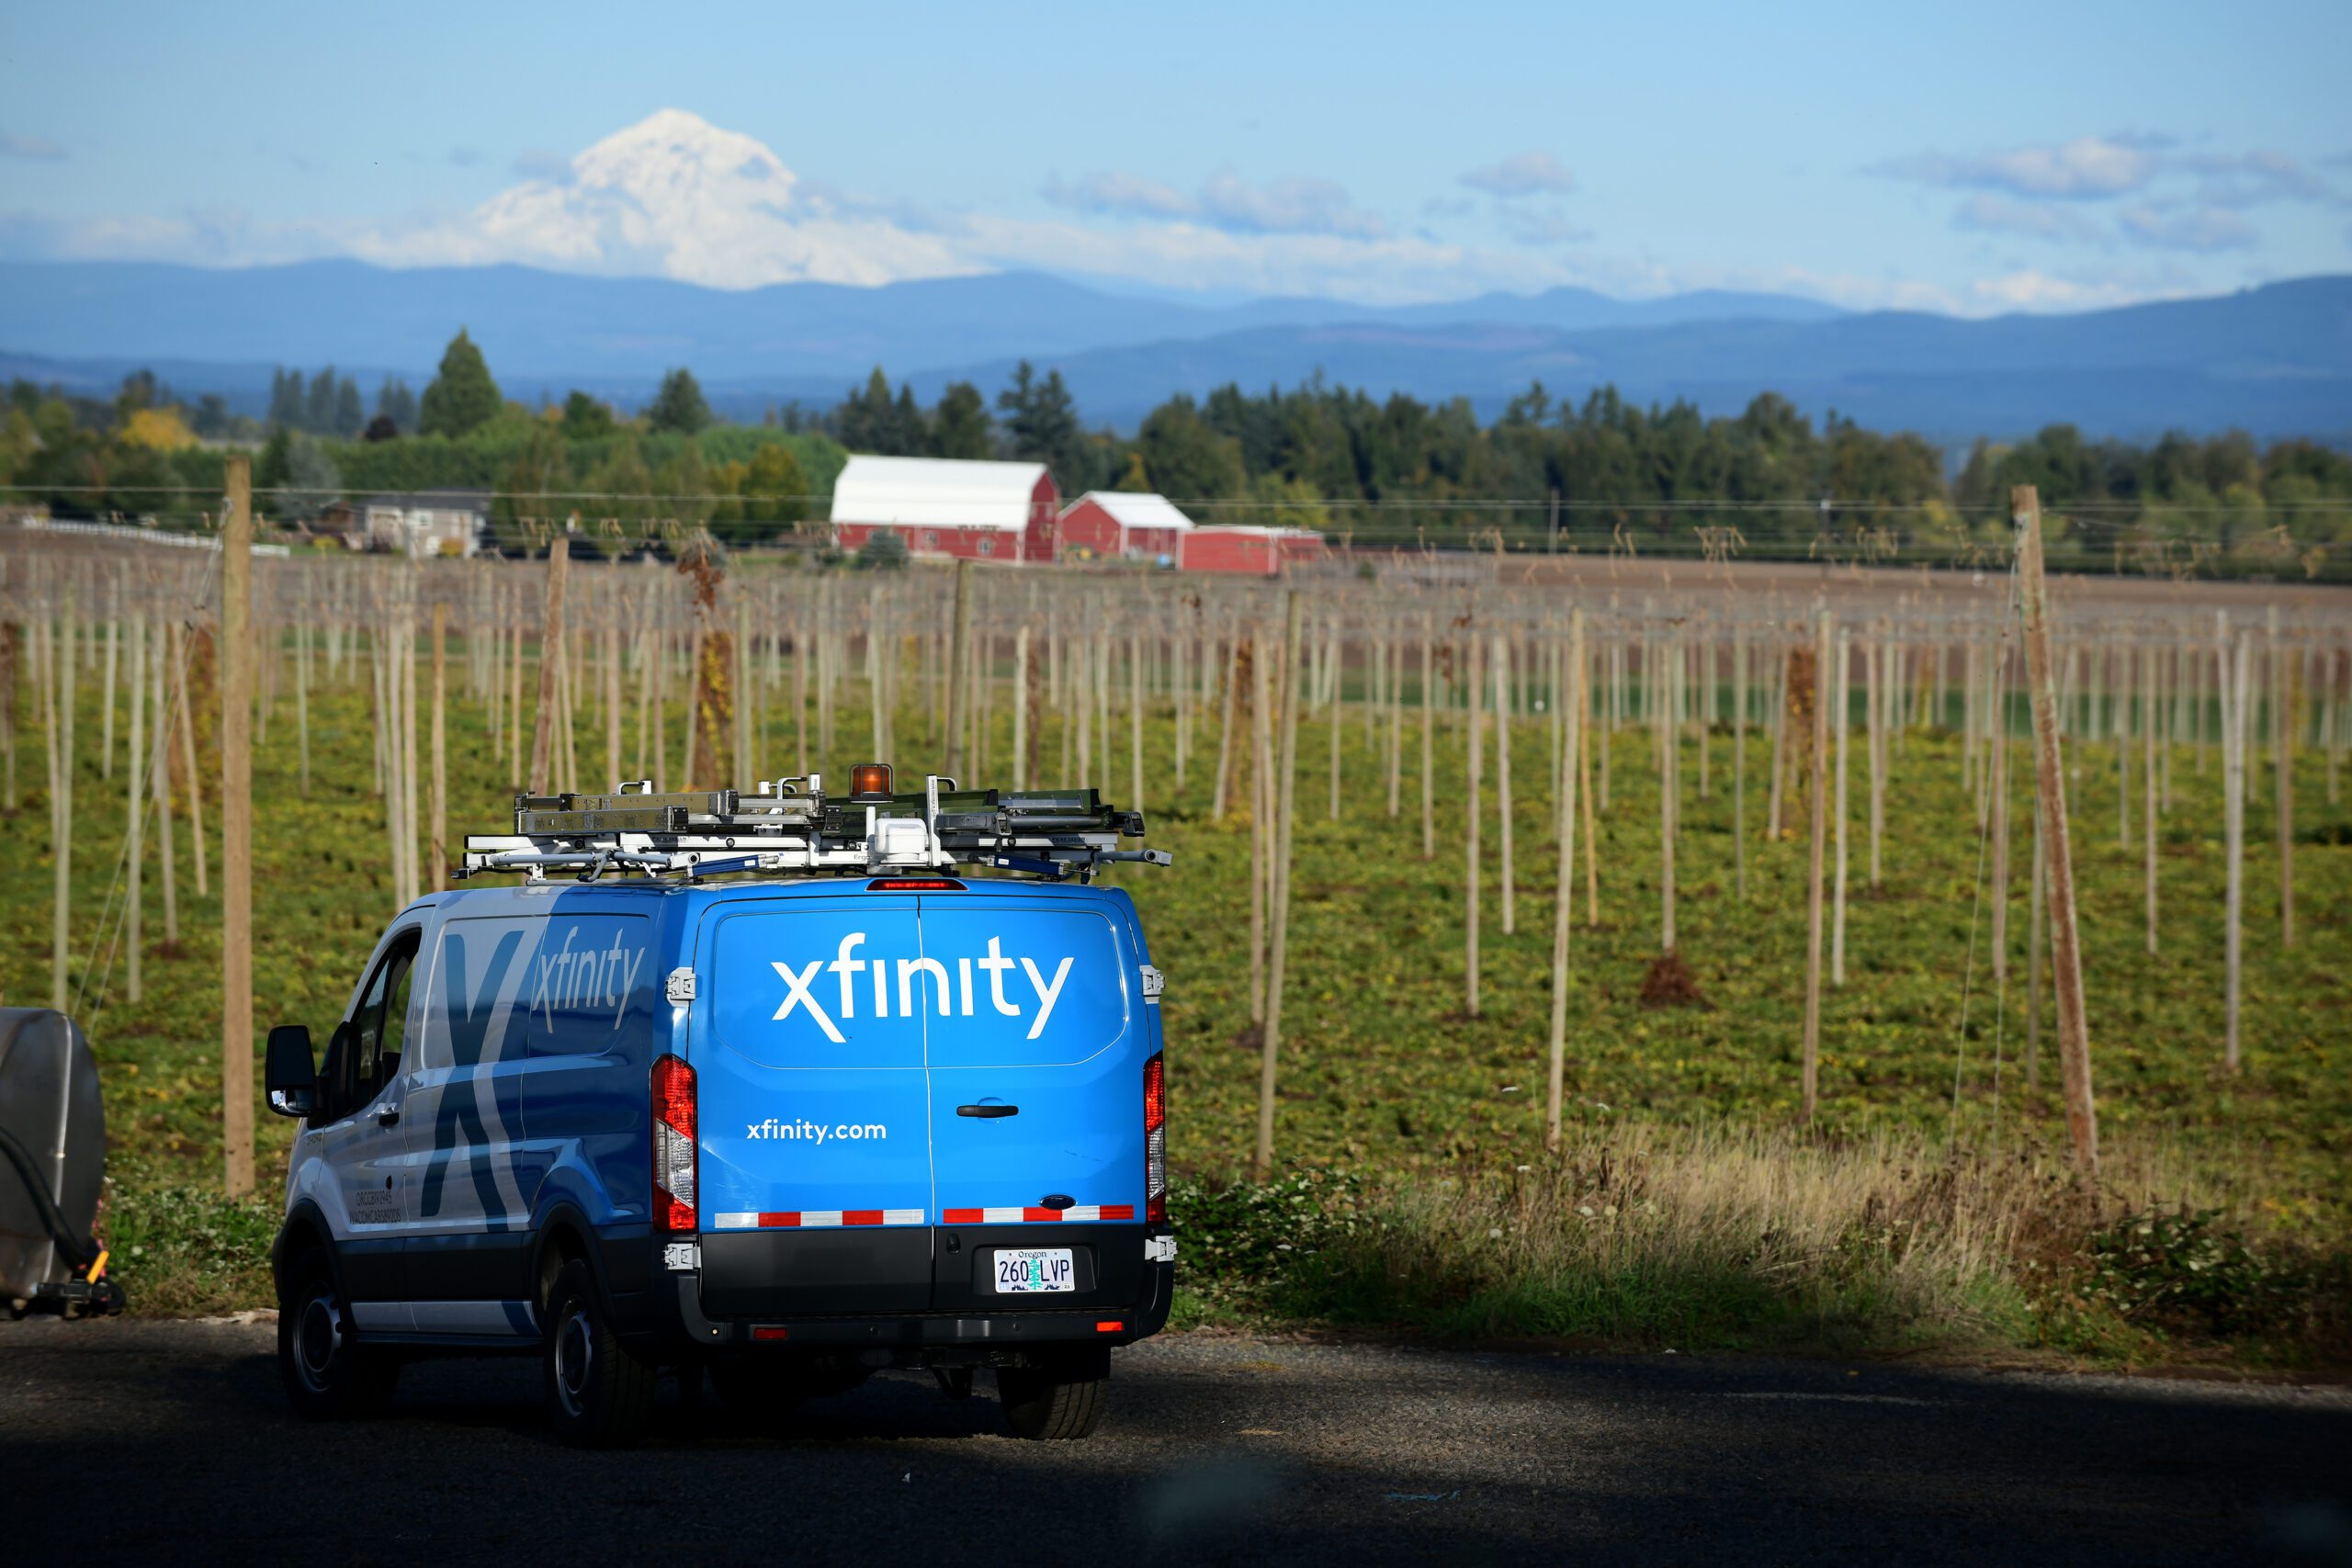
1155, 1142
914, 885
674, 1156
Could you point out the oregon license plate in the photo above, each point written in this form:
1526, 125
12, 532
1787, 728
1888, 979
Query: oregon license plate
1020, 1270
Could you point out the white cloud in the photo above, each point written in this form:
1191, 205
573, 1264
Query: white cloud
1523, 173
1542, 226
1987, 212
1119, 195
2029, 290
15, 145
1292, 204
2206, 229
2250, 179
2086, 168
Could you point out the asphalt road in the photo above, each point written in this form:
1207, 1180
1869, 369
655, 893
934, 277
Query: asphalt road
169, 1442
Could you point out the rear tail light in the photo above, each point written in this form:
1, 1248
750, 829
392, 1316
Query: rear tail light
673, 1145
1155, 1142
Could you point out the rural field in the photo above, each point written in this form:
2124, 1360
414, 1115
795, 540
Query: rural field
1926, 1200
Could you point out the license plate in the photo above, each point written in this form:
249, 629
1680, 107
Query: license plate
1020, 1270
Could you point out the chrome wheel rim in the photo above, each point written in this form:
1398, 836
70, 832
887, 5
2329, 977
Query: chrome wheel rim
318, 1338
575, 1360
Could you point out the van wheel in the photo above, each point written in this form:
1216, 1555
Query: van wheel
328, 1377
1059, 1402
599, 1394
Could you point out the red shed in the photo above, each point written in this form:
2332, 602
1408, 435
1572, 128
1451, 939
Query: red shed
1120, 525
1239, 547
1005, 511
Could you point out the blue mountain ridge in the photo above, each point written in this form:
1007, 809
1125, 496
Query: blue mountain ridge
2276, 360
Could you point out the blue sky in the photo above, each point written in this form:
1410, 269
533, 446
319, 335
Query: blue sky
1971, 159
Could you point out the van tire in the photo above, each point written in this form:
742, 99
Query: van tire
599, 1394
1059, 1402
327, 1376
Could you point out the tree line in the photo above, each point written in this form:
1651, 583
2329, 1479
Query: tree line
1379, 471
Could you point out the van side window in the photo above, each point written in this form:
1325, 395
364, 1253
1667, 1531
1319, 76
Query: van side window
379, 1028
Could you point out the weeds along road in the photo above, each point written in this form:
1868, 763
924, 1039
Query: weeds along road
169, 1442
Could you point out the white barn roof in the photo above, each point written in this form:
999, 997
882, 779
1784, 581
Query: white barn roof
1132, 511
936, 492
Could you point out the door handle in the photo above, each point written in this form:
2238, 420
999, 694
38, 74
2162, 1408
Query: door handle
387, 1118
987, 1113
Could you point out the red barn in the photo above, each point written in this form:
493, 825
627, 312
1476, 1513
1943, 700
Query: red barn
1120, 525
1006, 512
1239, 547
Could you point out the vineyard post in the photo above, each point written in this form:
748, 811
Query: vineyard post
183, 653
236, 831
2282, 767
1224, 721
159, 781
959, 654
550, 648
2065, 949
1262, 1163
1502, 780
2237, 688
2037, 925
1739, 763
56, 667
437, 847
302, 699
2150, 687
1135, 712
1820, 820
1474, 742
106, 707
1842, 725
1429, 719
134, 762
1564, 892
1020, 660
1262, 796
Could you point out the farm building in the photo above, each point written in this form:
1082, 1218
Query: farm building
1117, 525
1241, 547
1006, 512
436, 523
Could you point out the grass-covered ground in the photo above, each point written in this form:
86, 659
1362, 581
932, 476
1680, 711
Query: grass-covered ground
1416, 1130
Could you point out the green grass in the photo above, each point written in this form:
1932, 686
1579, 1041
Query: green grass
1382, 1073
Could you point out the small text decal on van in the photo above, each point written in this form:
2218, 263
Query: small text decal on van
799, 982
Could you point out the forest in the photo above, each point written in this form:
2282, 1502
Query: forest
1595, 473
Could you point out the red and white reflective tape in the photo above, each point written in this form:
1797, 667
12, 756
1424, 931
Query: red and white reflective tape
1080, 1214
814, 1219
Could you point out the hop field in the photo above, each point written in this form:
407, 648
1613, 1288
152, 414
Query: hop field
1407, 1117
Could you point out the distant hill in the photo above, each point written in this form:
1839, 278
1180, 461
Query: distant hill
2276, 360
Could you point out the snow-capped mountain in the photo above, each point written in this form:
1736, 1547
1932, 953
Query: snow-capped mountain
674, 196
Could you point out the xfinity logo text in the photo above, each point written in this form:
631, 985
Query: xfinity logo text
593, 978
799, 984
816, 1132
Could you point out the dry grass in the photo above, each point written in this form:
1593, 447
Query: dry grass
1731, 1235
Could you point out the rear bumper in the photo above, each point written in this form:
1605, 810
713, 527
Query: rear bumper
676, 1325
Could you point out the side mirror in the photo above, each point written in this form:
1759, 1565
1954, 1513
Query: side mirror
291, 1072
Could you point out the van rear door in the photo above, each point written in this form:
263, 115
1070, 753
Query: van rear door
1037, 1042
806, 1043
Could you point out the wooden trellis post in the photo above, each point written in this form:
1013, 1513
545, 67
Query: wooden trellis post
2065, 944
236, 831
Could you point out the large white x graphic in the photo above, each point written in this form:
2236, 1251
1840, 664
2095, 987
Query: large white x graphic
798, 994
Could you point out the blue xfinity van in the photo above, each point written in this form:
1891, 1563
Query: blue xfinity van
775, 1132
